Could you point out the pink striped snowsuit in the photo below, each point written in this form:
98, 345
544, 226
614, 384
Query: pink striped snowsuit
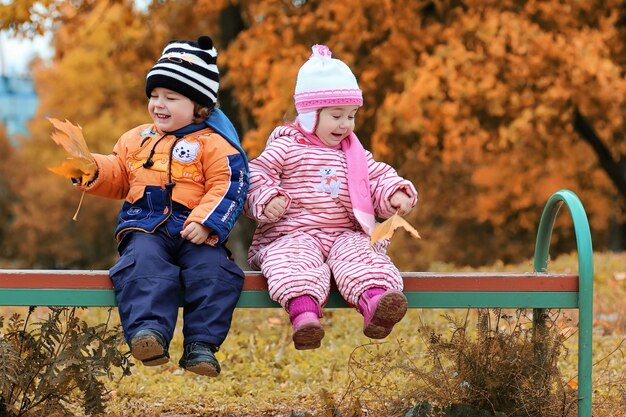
317, 236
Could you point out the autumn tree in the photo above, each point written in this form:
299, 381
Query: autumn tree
96, 78
501, 89
487, 106
94, 82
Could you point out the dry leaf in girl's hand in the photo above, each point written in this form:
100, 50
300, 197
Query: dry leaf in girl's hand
387, 228
80, 163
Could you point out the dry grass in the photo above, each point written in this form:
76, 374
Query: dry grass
264, 376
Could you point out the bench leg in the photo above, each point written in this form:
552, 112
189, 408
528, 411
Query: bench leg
585, 329
584, 356
540, 346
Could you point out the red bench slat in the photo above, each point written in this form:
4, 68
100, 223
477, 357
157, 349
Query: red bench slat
413, 281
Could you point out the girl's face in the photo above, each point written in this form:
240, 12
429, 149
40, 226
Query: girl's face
335, 124
170, 110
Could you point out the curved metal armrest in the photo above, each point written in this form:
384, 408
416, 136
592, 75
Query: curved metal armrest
585, 283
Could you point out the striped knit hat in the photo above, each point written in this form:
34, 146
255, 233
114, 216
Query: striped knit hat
188, 68
324, 82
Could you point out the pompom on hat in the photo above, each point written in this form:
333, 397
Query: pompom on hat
323, 81
189, 68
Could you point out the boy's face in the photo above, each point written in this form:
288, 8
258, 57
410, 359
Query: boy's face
335, 124
170, 110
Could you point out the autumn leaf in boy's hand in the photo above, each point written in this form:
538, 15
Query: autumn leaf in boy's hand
75, 168
386, 229
80, 164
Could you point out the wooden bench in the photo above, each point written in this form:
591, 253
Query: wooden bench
537, 290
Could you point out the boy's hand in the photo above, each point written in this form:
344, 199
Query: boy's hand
275, 208
195, 233
401, 202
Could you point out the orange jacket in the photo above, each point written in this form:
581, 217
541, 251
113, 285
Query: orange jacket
208, 175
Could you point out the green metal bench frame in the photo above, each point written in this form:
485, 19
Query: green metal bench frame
538, 290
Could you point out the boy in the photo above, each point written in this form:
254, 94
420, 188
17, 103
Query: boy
184, 179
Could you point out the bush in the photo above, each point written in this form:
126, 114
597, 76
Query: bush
54, 363
500, 366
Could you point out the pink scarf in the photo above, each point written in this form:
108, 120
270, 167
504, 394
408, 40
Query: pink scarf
358, 177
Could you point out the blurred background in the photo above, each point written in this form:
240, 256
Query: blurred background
487, 106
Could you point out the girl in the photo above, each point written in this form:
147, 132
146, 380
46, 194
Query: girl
315, 192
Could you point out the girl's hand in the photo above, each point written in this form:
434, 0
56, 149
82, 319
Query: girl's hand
275, 208
195, 233
401, 202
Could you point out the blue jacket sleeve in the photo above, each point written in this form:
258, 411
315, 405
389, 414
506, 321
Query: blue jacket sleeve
223, 217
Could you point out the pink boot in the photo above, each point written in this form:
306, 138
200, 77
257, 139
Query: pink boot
305, 313
381, 309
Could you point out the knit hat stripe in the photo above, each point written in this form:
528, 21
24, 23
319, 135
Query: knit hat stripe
188, 68
186, 80
307, 101
186, 47
207, 77
201, 61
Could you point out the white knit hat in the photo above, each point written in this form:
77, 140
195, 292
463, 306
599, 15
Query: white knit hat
324, 81
189, 68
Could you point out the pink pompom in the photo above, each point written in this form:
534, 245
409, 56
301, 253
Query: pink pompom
320, 51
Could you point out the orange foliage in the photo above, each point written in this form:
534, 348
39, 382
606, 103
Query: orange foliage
474, 104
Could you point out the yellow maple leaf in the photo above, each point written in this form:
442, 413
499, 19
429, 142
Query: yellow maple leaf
74, 168
80, 164
386, 229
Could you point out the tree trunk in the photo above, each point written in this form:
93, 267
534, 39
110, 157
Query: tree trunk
615, 168
231, 25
